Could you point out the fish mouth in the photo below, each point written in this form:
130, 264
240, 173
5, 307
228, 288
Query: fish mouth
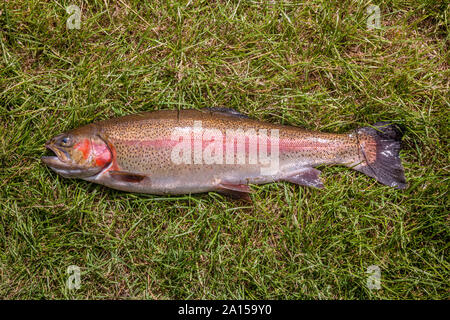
61, 163
58, 160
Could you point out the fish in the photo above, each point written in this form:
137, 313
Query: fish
174, 152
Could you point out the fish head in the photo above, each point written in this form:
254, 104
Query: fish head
77, 154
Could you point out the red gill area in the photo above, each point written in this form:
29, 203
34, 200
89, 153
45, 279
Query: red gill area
102, 154
107, 154
84, 146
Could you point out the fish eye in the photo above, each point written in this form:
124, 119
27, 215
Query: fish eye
65, 141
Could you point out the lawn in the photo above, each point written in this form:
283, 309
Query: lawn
313, 64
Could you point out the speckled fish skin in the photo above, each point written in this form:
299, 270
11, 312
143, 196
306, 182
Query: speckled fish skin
136, 155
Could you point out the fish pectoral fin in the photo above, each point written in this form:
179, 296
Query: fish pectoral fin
309, 177
127, 176
236, 191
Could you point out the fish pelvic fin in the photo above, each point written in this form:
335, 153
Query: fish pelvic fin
236, 191
379, 154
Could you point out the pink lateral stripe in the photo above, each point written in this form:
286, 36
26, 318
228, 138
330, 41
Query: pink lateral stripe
286, 145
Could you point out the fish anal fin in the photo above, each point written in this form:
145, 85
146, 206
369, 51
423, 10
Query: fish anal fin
309, 177
235, 191
127, 176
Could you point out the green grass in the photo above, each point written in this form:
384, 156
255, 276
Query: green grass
313, 64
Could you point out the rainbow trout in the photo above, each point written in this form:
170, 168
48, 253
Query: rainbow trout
217, 149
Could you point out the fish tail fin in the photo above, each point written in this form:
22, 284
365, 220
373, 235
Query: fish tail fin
379, 154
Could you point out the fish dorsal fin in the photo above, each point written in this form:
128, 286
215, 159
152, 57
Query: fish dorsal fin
227, 111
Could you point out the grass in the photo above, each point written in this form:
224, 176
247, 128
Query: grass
312, 64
